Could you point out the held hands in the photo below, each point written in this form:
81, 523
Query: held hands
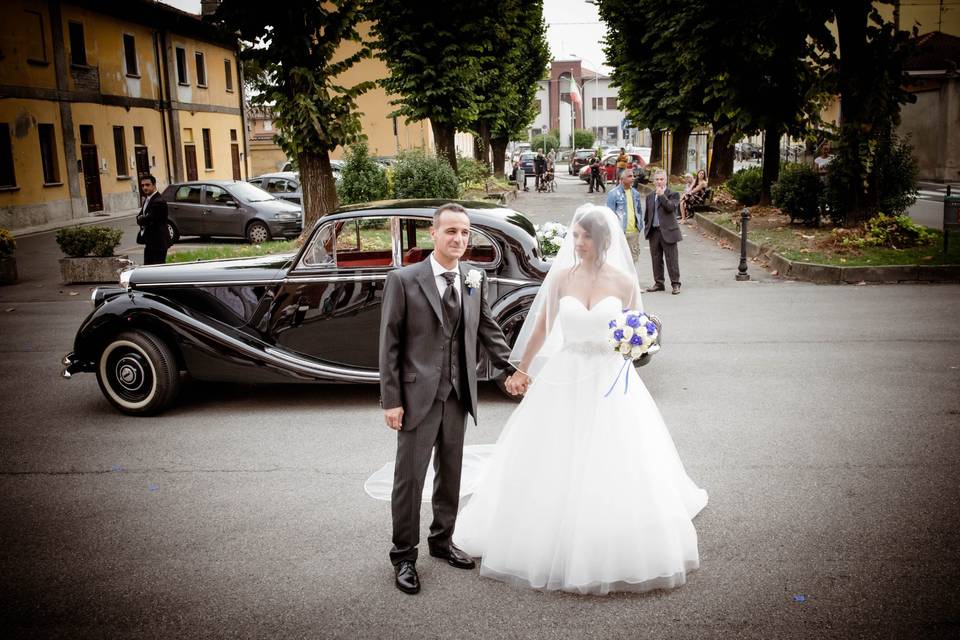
518, 383
393, 418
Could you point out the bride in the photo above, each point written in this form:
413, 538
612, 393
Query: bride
584, 490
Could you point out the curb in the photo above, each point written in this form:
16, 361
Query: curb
76, 222
832, 274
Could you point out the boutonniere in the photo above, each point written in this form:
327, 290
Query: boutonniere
473, 280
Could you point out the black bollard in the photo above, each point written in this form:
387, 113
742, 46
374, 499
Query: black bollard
742, 269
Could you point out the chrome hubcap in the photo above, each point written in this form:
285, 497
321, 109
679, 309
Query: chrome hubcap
129, 374
258, 234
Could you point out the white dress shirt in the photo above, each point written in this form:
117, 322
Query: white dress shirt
143, 207
438, 270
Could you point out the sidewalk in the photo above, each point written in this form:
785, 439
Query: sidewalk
99, 218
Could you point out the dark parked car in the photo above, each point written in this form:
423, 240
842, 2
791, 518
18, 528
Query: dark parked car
526, 161
304, 317
283, 184
579, 160
747, 151
227, 208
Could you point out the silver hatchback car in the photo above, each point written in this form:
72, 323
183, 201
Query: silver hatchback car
226, 208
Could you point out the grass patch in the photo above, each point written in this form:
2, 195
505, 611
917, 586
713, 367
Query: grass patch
220, 252
802, 244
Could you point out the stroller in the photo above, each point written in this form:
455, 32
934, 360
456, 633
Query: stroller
548, 181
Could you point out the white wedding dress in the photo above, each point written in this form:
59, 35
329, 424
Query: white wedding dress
583, 492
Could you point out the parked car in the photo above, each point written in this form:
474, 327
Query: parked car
747, 151
579, 160
226, 208
336, 165
312, 316
608, 165
526, 161
284, 184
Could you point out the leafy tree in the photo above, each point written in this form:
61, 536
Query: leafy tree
583, 139
297, 46
434, 52
544, 143
417, 175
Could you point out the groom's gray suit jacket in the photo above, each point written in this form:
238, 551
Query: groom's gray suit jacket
412, 349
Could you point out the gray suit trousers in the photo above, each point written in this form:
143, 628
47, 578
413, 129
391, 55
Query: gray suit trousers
660, 250
443, 429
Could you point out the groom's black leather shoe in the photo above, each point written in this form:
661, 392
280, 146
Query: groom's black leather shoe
656, 287
407, 579
454, 556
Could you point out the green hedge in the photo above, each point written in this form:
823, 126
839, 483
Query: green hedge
745, 185
418, 175
362, 179
79, 242
799, 193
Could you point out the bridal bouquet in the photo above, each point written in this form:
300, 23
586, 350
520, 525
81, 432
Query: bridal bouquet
632, 334
550, 235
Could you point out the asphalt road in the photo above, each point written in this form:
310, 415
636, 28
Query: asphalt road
824, 421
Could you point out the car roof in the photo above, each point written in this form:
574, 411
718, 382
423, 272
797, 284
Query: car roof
288, 175
221, 183
490, 213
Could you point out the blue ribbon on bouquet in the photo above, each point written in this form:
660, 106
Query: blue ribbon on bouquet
626, 378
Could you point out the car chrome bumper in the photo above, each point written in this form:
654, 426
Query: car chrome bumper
72, 364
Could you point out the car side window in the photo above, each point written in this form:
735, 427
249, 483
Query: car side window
217, 195
320, 252
365, 242
276, 185
292, 186
415, 240
257, 182
189, 193
480, 250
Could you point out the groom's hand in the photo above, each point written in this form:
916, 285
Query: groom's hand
393, 418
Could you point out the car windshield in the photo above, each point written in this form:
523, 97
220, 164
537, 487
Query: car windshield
583, 154
249, 193
528, 156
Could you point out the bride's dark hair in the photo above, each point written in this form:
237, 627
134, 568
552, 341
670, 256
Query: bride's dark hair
592, 221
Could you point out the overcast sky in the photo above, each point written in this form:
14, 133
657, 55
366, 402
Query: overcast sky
574, 29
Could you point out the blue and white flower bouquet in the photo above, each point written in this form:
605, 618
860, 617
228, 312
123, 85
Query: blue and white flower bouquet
632, 334
550, 235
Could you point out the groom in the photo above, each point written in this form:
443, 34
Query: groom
435, 313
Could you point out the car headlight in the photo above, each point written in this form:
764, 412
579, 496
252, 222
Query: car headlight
288, 217
125, 278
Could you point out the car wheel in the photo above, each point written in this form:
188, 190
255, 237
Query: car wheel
138, 373
172, 232
258, 233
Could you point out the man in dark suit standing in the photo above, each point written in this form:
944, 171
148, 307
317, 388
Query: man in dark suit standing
663, 232
434, 315
153, 223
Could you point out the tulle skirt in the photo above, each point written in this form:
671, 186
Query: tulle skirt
582, 492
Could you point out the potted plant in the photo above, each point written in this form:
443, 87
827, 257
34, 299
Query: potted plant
90, 256
8, 263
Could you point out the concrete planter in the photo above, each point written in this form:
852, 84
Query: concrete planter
92, 269
8, 270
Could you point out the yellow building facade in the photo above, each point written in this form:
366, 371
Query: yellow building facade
95, 94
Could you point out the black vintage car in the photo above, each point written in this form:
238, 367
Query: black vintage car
312, 316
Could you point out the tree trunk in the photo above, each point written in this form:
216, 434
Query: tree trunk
481, 142
318, 186
851, 37
443, 139
499, 147
678, 152
721, 161
656, 147
771, 162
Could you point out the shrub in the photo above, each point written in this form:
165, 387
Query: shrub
362, 179
472, 172
78, 242
7, 243
418, 175
583, 139
799, 193
544, 143
894, 232
897, 176
745, 185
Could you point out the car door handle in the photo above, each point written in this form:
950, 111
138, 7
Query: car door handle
205, 211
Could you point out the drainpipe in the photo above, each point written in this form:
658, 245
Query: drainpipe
243, 114
161, 76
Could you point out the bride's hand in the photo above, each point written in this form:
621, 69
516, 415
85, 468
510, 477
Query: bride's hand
519, 382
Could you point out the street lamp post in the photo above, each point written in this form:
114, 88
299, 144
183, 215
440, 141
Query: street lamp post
596, 80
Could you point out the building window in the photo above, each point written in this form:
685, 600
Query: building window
612, 103
7, 176
78, 47
182, 77
268, 125
120, 147
597, 104
130, 54
201, 70
86, 134
228, 74
207, 157
539, 107
138, 136
233, 135
48, 154
36, 43
611, 133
